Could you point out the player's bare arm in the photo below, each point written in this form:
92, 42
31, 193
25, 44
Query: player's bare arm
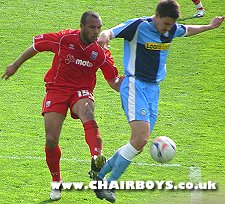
115, 83
195, 29
12, 68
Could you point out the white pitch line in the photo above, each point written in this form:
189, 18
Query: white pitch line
161, 165
40, 158
85, 161
195, 176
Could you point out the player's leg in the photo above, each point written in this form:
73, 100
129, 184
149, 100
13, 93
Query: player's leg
200, 10
84, 109
140, 130
120, 161
139, 137
136, 109
53, 125
55, 105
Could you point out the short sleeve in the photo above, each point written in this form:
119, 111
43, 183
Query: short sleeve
180, 31
127, 29
47, 42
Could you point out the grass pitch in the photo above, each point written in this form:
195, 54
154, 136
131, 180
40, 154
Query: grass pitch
191, 109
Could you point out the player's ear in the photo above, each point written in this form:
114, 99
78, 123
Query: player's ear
157, 15
81, 26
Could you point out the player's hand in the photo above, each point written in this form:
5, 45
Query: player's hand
104, 39
216, 21
103, 43
10, 70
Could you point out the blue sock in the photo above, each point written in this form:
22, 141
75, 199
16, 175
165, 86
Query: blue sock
120, 166
108, 166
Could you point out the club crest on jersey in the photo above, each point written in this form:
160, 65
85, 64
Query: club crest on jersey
47, 104
143, 112
94, 55
39, 36
157, 46
71, 46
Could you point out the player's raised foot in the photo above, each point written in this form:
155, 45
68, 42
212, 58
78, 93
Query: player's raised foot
96, 164
200, 13
56, 188
100, 161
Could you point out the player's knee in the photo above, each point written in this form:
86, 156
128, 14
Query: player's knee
144, 135
87, 112
84, 109
51, 141
143, 142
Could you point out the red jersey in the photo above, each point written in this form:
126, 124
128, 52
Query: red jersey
74, 64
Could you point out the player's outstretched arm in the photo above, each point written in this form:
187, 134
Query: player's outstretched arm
12, 68
195, 29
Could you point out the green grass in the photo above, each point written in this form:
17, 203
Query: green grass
191, 109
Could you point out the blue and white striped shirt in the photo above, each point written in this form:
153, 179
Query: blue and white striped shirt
145, 49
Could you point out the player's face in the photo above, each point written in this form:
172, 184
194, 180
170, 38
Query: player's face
164, 24
91, 30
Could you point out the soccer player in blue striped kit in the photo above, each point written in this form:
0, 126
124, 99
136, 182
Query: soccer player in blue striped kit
146, 45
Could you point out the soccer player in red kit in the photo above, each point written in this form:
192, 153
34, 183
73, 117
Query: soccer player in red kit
69, 85
200, 10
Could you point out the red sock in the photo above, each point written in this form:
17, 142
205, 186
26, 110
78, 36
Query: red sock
93, 138
196, 2
53, 156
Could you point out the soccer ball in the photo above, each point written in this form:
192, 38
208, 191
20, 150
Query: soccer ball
162, 149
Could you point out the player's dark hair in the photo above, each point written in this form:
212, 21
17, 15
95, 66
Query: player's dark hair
85, 15
168, 8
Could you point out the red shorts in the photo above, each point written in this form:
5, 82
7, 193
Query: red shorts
59, 100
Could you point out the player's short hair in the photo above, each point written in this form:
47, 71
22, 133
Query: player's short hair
85, 15
168, 8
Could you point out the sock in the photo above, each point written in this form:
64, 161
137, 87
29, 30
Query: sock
123, 160
119, 168
53, 156
93, 138
198, 4
108, 166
